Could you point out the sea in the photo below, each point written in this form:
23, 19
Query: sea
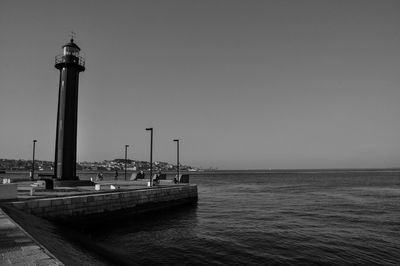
297, 217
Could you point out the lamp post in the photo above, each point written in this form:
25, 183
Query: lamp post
126, 153
151, 153
33, 159
177, 158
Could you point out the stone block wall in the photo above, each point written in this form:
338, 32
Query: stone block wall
99, 204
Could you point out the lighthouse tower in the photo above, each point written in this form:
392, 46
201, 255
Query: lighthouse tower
70, 64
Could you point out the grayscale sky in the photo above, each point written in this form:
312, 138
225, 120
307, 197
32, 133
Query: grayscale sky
243, 84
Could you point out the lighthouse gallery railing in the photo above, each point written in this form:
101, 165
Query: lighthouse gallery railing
75, 59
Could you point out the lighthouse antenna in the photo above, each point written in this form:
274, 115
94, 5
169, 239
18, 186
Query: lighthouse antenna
72, 35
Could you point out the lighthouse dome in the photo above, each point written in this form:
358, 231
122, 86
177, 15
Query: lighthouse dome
71, 48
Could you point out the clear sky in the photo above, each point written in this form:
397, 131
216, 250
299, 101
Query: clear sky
243, 84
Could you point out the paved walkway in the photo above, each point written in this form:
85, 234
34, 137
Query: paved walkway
18, 248
121, 185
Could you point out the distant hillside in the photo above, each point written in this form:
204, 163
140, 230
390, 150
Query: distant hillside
115, 164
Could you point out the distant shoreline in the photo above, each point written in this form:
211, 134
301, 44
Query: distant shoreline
334, 170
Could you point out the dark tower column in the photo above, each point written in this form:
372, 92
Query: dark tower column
70, 64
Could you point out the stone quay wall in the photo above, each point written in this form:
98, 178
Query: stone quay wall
109, 204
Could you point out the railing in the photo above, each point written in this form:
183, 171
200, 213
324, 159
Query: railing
71, 59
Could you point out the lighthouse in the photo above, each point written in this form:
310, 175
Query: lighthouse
70, 64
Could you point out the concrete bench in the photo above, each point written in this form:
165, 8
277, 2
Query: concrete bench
30, 189
39, 183
106, 187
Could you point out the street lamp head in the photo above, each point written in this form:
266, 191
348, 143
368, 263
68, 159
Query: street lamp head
176, 140
149, 128
34, 140
126, 146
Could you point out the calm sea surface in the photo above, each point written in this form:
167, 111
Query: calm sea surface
292, 218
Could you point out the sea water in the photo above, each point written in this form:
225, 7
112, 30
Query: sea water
271, 217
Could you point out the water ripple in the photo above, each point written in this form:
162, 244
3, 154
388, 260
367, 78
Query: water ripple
330, 218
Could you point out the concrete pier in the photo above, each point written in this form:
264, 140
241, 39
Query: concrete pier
17, 247
107, 203
80, 206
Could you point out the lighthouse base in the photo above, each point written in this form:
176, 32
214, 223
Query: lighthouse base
73, 183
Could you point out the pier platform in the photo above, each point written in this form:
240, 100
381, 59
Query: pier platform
106, 202
17, 247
